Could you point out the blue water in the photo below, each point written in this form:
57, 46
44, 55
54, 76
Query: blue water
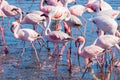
28, 68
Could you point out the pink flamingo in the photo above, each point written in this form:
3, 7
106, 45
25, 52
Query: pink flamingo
106, 24
73, 22
57, 37
88, 52
60, 13
98, 5
107, 41
25, 35
11, 11
34, 18
78, 10
112, 13
8, 10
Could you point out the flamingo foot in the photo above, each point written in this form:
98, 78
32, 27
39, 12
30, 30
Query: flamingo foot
18, 63
60, 57
6, 50
39, 65
54, 69
1, 70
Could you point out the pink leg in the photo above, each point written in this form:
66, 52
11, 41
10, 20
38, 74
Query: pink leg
6, 47
69, 60
39, 64
62, 49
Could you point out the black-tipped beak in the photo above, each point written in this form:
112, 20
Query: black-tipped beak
12, 28
76, 43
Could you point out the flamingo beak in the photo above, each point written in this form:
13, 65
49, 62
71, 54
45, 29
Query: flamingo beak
76, 43
12, 28
118, 18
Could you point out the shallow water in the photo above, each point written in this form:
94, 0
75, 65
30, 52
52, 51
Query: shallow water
28, 69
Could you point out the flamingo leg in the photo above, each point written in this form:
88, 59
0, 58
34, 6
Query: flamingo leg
69, 60
35, 27
62, 50
39, 64
23, 51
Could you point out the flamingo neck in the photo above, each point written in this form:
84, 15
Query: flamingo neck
80, 48
41, 4
16, 30
47, 29
21, 16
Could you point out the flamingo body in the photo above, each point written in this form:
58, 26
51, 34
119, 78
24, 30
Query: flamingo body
33, 18
24, 34
58, 37
111, 13
105, 23
8, 10
107, 41
74, 22
96, 5
77, 10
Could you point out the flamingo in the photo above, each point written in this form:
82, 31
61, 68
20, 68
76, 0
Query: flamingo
107, 41
111, 13
106, 24
57, 37
11, 11
25, 35
60, 13
34, 18
8, 10
88, 52
72, 22
78, 10
98, 5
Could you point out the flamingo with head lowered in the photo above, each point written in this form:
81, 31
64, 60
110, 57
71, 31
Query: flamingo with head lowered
88, 52
106, 24
98, 5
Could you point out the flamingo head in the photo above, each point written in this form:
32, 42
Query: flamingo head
14, 25
79, 39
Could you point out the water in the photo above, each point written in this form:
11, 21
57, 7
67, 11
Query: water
28, 68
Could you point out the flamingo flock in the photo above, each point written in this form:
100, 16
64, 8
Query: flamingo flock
65, 18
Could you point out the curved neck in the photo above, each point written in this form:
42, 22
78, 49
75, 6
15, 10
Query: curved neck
47, 29
65, 3
21, 16
16, 30
80, 48
41, 4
